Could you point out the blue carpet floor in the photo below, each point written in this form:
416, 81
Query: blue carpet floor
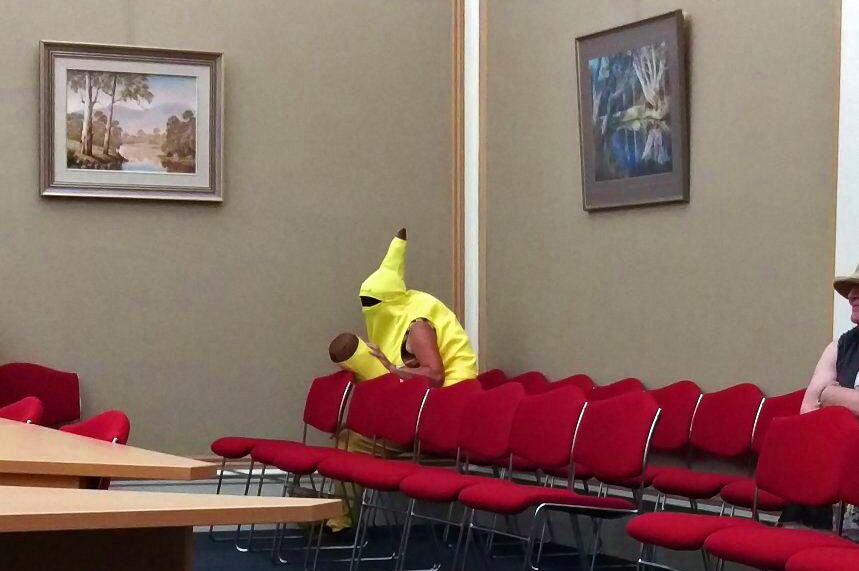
222, 556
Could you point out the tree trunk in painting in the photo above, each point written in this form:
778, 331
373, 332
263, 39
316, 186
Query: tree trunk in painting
109, 128
86, 134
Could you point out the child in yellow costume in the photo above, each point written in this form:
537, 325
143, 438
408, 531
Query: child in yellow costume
410, 333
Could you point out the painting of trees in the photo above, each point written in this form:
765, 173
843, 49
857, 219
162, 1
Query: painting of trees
630, 117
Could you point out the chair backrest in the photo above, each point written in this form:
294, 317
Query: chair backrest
617, 388
365, 403
326, 400
491, 378
583, 382
848, 484
775, 407
803, 457
544, 426
534, 382
677, 401
484, 433
442, 416
28, 409
614, 435
401, 411
111, 426
59, 391
723, 423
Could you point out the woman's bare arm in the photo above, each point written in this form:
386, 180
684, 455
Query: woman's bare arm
424, 346
823, 377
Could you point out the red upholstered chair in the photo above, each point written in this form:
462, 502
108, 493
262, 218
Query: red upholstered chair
809, 460
484, 433
534, 382
59, 391
111, 426
580, 380
742, 492
395, 419
825, 559
438, 434
323, 411
617, 388
28, 409
722, 428
624, 425
677, 402
796, 463
491, 379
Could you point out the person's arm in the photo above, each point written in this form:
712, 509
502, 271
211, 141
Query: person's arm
824, 376
836, 395
424, 347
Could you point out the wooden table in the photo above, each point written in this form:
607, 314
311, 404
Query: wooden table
107, 530
33, 455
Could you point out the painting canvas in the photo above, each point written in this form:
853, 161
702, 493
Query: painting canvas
633, 115
130, 122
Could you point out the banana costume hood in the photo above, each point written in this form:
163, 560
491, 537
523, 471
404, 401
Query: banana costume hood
388, 322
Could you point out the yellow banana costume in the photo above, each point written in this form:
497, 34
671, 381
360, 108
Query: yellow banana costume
388, 323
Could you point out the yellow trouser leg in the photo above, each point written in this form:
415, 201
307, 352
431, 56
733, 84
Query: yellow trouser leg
354, 442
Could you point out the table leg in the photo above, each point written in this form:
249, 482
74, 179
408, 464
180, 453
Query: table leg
162, 549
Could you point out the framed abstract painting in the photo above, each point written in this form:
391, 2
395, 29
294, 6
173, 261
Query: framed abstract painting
131, 122
633, 114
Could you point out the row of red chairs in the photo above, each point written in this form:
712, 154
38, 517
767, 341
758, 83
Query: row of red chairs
680, 402
810, 460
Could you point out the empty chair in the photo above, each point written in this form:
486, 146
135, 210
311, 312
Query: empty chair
722, 428
484, 433
741, 493
581, 381
799, 461
623, 425
59, 391
28, 409
111, 426
491, 378
533, 382
617, 388
441, 419
809, 460
824, 559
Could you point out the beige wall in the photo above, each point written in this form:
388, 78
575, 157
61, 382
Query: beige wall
734, 285
205, 320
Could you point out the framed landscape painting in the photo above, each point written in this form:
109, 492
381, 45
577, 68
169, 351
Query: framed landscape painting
131, 122
633, 118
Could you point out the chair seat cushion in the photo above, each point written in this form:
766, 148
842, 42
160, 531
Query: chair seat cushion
690, 483
366, 470
265, 451
825, 559
232, 447
438, 485
300, 459
679, 531
742, 494
508, 498
766, 547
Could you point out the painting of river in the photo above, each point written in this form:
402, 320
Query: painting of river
131, 122
631, 113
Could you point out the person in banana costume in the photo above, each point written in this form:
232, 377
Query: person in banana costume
410, 333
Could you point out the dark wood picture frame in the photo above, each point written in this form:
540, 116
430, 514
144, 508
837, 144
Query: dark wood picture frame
635, 147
